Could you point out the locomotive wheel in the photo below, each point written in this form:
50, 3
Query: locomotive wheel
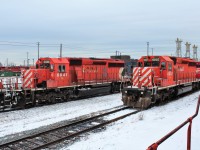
62, 98
113, 89
69, 95
19, 101
66, 98
162, 99
51, 98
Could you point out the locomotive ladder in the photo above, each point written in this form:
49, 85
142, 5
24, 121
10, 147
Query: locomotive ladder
155, 145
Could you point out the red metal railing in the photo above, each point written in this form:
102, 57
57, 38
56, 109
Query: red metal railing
154, 146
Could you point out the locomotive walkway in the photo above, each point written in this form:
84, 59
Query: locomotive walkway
67, 133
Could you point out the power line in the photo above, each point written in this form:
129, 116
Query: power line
16, 42
17, 45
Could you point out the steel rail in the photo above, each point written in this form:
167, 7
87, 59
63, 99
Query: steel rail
85, 131
73, 123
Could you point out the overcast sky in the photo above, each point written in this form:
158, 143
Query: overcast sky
95, 28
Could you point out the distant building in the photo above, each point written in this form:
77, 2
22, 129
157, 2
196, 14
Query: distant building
129, 63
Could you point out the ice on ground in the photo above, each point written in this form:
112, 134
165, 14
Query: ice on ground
22, 120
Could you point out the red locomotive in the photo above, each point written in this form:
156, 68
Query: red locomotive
61, 79
158, 78
198, 70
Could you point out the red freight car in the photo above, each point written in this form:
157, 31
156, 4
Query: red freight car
158, 78
61, 79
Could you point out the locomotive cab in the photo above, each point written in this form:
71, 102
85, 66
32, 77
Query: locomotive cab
153, 71
49, 73
57, 69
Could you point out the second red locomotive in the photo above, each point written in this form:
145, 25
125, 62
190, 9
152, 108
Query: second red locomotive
158, 78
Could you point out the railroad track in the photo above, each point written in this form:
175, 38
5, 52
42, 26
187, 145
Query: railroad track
67, 132
9, 108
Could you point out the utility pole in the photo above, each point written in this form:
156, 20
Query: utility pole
147, 48
60, 50
38, 49
33, 61
7, 62
27, 60
152, 51
24, 63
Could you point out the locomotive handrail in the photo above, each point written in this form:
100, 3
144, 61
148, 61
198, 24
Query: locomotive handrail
155, 145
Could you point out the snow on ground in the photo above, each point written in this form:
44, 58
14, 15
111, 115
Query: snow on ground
22, 120
129, 133
134, 134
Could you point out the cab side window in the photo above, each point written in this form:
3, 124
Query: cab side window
147, 64
52, 68
61, 68
140, 64
163, 65
169, 67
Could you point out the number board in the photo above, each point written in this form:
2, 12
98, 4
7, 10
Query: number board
145, 59
46, 61
155, 59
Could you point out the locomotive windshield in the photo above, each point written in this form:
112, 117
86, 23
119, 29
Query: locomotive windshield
149, 62
155, 63
45, 64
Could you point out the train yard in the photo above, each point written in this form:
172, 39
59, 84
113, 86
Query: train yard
154, 81
95, 75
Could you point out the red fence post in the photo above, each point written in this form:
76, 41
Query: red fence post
154, 146
189, 134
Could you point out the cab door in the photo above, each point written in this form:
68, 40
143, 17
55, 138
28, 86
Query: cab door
163, 70
170, 74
